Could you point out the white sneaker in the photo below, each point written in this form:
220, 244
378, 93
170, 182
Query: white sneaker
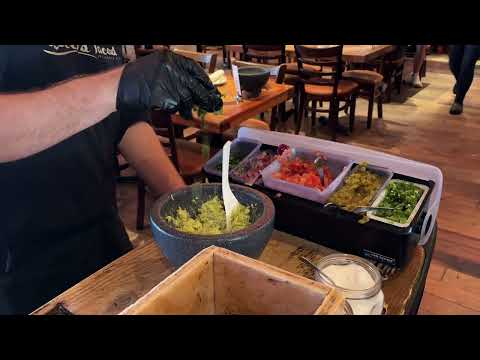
416, 82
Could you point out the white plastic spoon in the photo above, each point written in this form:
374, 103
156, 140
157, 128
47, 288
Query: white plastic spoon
229, 200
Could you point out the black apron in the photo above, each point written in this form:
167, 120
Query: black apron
59, 220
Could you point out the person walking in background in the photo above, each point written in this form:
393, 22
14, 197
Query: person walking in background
420, 55
463, 59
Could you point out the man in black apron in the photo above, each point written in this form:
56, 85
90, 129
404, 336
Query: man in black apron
59, 220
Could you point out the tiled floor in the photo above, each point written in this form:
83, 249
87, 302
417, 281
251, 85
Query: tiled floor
419, 127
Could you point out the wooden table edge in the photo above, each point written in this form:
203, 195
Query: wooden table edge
68, 297
262, 106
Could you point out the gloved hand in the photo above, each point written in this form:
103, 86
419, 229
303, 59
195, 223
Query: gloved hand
169, 82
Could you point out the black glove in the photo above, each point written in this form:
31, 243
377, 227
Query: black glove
169, 82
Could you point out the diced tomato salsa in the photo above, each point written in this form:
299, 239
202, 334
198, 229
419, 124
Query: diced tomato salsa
303, 172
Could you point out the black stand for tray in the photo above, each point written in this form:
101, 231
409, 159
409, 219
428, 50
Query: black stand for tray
290, 218
419, 288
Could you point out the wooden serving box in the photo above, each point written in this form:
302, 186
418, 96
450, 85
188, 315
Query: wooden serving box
221, 282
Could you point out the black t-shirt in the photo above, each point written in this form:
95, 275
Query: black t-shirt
59, 220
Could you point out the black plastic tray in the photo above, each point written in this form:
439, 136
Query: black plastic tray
340, 230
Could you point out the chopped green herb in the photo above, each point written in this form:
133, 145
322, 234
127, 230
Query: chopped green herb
403, 197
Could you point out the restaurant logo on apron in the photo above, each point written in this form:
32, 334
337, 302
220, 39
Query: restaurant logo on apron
95, 51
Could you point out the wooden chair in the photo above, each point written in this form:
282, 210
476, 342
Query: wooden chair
207, 60
265, 54
206, 48
292, 77
235, 51
143, 50
370, 87
186, 156
391, 67
277, 112
325, 85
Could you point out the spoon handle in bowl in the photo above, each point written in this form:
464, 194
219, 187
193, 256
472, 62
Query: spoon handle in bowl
229, 200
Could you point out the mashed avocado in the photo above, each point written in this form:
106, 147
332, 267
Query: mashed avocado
210, 219
358, 190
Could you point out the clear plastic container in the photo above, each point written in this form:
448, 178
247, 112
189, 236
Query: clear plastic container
239, 148
347, 309
385, 173
249, 165
379, 199
368, 301
339, 166
398, 164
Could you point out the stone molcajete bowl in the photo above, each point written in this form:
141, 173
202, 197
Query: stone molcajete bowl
179, 247
252, 80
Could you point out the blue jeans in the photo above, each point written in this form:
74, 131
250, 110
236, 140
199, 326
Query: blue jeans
462, 64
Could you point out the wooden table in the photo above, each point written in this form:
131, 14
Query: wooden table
122, 282
357, 54
235, 113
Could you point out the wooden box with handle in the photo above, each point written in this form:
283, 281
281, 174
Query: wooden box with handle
221, 282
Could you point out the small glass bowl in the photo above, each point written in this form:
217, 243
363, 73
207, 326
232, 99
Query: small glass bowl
347, 308
346, 259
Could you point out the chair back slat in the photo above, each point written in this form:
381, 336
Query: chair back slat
207, 60
264, 53
162, 124
318, 51
203, 48
327, 58
140, 52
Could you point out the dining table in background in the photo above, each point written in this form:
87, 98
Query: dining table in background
233, 112
357, 54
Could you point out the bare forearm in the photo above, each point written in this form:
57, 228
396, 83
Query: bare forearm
161, 177
142, 149
32, 122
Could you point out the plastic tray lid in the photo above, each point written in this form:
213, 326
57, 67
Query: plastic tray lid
380, 198
397, 164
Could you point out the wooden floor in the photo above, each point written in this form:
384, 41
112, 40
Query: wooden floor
419, 127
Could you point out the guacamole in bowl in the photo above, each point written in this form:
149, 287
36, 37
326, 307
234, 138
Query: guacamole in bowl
191, 219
